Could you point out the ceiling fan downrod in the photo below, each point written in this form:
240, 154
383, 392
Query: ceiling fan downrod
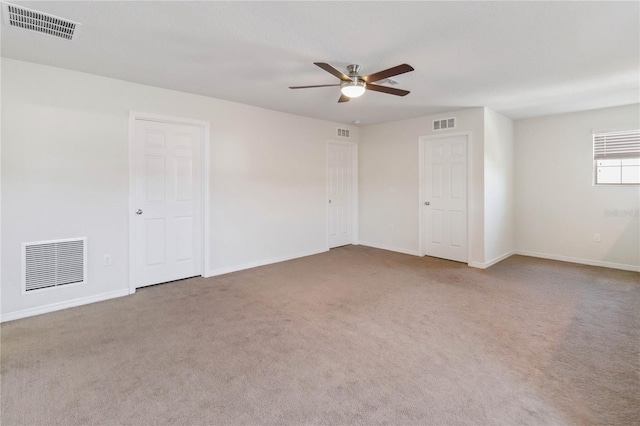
354, 70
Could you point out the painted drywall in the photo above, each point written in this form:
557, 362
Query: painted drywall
389, 181
65, 174
558, 209
498, 187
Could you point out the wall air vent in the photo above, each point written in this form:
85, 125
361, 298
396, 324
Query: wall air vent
21, 17
343, 133
445, 123
48, 264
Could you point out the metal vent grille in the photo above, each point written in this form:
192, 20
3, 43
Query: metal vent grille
54, 263
21, 17
445, 123
343, 133
389, 81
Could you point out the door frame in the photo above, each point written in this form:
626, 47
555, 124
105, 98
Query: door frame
204, 176
422, 143
354, 189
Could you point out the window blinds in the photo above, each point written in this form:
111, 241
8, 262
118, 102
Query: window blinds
625, 144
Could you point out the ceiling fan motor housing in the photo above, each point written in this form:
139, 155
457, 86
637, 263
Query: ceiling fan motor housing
356, 86
354, 70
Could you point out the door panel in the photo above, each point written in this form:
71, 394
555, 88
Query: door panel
155, 171
457, 228
445, 190
184, 243
339, 184
437, 223
184, 179
154, 232
457, 176
167, 235
436, 181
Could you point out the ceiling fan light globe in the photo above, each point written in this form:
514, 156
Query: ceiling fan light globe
353, 89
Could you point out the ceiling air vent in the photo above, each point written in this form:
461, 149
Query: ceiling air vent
445, 123
343, 133
389, 81
21, 17
49, 264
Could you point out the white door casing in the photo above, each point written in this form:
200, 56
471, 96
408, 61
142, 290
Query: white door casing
341, 192
444, 199
167, 201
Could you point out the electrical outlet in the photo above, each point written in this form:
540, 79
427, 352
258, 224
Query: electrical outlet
596, 238
106, 260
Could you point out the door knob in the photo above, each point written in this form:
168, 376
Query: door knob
138, 211
427, 203
329, 201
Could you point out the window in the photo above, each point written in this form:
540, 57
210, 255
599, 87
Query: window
616, 158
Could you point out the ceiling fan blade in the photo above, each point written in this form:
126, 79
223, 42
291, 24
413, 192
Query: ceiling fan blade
385, 89
309, 87
381, 75
331, 70
343, 98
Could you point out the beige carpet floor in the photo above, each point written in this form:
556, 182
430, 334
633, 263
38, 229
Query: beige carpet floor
353, 336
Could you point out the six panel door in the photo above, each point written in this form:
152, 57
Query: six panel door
168, 202
445, 198
340, 197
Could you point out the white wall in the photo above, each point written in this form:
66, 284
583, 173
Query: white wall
65, 174
558, 210
389, 168
498, 187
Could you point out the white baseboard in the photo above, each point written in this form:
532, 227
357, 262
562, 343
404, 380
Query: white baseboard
612, 265
63, 305
229, 269
485, 265
390, 248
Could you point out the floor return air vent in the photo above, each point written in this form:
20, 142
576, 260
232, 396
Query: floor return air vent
28, 19
49, 264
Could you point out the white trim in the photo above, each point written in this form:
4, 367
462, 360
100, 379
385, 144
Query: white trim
485, 265
63, 305
132, 136
206, 200
1, 287
326, 195
421, 145
600, 263
355, 224
229, 269
422, 140
354, 188
204, 152
390, 248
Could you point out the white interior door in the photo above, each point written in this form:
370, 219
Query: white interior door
340, 179
445, 198
167, 223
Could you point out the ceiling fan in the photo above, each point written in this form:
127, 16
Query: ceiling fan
354, 84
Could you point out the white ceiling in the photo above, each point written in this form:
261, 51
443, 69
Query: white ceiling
522, 59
